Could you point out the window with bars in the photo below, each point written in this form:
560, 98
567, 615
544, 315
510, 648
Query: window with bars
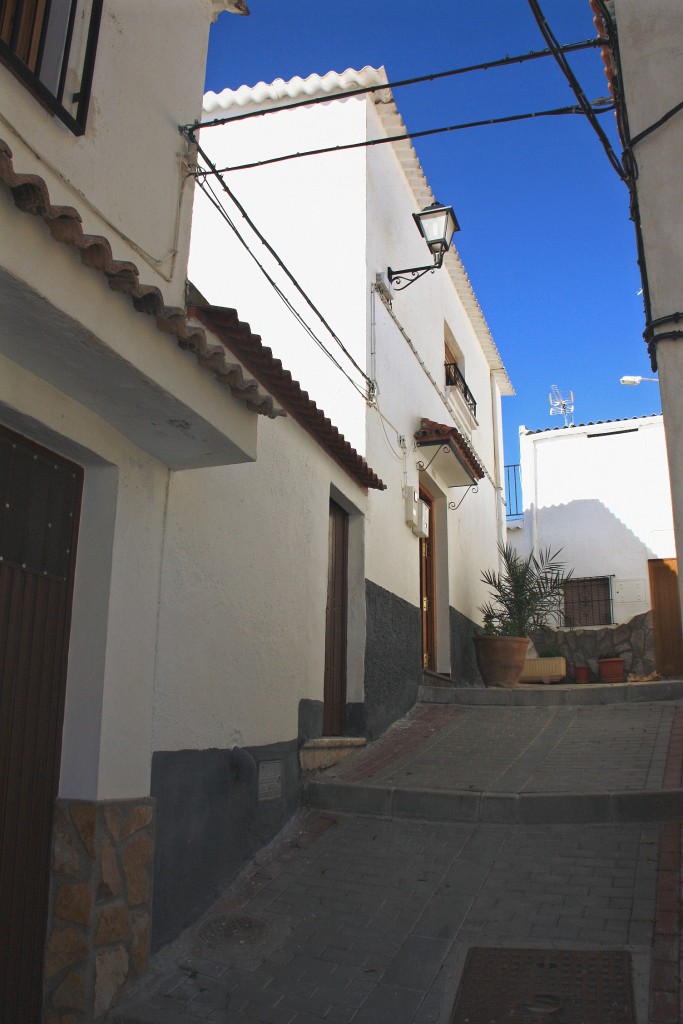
588, 601
50, 45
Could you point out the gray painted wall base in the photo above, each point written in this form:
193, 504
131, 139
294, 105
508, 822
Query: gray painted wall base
210, 823
393, 648
464, 671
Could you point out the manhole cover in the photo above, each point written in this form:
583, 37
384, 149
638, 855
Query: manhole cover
547, 986
234, 930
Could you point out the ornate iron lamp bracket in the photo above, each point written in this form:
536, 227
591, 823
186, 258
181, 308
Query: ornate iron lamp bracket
400, 279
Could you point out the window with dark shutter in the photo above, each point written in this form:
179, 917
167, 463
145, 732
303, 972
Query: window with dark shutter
50, 45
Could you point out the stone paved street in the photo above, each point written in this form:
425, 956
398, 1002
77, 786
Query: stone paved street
368, 919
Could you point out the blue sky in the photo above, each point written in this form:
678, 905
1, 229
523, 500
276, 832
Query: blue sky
545, 232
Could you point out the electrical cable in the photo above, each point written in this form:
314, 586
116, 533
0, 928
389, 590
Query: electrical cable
658, 124
214, 200
280, 263
367, 143
565, 67
348, 93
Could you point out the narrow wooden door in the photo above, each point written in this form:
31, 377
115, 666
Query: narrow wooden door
334, 707
39, 510
666, 615
428, 588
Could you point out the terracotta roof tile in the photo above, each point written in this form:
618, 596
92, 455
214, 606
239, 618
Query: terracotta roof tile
269, 371
430, 431
31, 195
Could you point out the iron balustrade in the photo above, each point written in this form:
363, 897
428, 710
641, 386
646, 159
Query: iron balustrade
513, 493
51, 47
455, 379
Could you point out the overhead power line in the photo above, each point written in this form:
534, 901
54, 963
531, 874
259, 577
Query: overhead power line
564, 65
501, 62
367, 143
211, 195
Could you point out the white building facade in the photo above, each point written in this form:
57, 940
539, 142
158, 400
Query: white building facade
338, 220
601, 493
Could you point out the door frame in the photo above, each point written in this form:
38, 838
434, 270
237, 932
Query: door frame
427, 556
336, 622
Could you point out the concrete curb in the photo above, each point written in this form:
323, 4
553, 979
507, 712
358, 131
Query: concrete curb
497, 808
554, 696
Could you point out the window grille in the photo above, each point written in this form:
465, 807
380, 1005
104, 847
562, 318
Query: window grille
588, 601
50, 45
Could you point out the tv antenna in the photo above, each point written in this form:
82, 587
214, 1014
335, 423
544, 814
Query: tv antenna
560, 406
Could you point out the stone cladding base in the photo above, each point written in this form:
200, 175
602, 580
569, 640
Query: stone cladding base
99, 924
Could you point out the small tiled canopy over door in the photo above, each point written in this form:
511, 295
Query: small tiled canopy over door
334, 706
39, 510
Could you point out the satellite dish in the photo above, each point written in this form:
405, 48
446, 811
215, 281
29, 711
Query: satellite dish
561, 406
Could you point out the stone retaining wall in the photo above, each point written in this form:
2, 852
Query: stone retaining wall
100, 905
633, 641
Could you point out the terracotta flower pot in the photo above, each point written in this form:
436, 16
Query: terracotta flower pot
611, 670
501, 659
582, 674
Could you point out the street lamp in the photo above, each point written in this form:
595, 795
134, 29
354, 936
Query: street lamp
437, 224
633, 381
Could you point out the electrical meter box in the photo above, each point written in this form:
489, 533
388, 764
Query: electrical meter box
421, 527
411, 499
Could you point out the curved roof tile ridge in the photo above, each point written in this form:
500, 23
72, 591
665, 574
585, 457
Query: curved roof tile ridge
294, 88
31, 195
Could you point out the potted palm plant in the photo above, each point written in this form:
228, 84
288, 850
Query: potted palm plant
525, 594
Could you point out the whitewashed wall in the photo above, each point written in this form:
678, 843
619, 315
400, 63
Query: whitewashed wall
651, 48
312, 211
125, 174
411, 385
601, 493
242, 623
338, 220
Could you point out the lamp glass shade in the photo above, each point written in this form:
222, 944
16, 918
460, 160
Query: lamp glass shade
437, 224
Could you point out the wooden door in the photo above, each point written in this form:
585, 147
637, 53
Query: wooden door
39, 510
334, 707
428, 588
666, 615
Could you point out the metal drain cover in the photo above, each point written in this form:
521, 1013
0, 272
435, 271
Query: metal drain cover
546, 986
234, 930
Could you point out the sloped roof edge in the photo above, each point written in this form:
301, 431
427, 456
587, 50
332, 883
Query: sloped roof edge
269, 371
31, 195
592, 423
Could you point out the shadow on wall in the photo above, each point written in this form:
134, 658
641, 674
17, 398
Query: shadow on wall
594, 541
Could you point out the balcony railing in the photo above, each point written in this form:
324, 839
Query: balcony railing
513, 493
50, 45
454, 379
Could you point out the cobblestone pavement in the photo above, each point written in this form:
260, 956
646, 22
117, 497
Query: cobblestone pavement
368, 919
535, 749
